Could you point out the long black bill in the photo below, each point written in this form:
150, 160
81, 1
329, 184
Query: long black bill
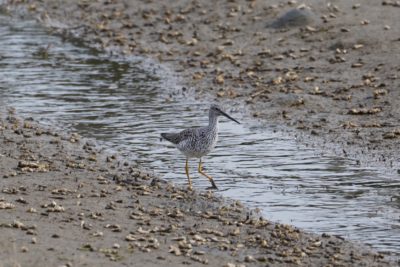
229, 117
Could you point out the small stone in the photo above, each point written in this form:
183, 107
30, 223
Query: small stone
296, 17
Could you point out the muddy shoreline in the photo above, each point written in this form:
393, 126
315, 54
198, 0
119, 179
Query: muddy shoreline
282, 93
64, 203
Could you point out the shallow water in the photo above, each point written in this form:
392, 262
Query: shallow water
125, 104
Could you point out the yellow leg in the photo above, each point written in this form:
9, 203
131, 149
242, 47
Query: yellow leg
187, 174
206, 175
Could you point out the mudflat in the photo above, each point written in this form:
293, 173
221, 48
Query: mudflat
329, 71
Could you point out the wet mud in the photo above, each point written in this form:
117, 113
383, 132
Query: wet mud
326, 71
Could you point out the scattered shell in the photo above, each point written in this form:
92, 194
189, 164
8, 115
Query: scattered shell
392, 134
249, 258
380, 92
97, 234
53, 207
192, 42
311, 29
364, 111
130, 237
219, 79
235, 232
199, 259
19, 225
6, 205
357, 65
199, 238
113, 227
86, 226
277, 81
175, 250
278, 57
184, 245
32, 166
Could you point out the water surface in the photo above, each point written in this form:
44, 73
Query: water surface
125, 104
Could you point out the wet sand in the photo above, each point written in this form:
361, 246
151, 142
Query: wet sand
333, 77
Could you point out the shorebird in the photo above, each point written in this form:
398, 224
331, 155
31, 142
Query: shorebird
198, 142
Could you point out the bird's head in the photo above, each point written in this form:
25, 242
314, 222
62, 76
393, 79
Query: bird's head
216, 110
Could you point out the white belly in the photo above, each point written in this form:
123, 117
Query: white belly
197, 149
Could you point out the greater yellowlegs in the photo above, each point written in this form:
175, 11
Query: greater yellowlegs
198, 142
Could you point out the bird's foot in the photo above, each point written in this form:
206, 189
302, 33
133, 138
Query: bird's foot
213, 187
190, 188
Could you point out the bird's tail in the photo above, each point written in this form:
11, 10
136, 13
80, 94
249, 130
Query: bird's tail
169, 137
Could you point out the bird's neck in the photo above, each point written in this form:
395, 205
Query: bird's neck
213, 122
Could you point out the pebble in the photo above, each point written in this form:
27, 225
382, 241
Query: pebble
295, 18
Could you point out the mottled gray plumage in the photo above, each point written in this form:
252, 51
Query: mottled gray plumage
198, 142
